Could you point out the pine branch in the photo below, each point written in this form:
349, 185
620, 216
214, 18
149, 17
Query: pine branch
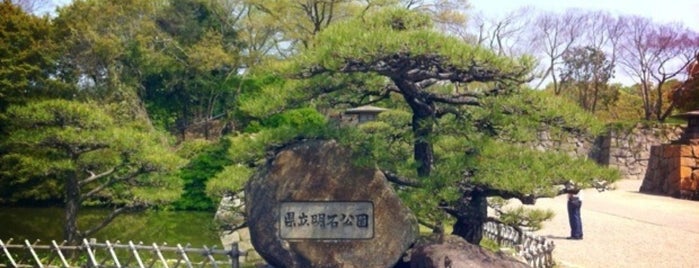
106, 221
97, 189
109, 183
527, 199
427, 224
427, 68
395, 178
463, 99
94, 177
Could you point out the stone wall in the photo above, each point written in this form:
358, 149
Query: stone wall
577, 145
627, 149
673, 170
230, 217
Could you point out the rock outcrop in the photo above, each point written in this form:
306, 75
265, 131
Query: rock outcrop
318, 173
454, 251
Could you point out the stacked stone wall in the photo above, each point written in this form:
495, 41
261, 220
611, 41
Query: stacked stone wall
673, 170
627, 149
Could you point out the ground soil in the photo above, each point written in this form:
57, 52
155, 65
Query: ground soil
625, 228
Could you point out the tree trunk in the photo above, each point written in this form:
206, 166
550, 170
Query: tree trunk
424, 114
72, 205
659, 101
472, 213
647, 110
595, 97
423, 153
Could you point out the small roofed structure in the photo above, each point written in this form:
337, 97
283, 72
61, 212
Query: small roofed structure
691, 133
365, 113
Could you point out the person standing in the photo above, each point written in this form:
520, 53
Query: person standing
574, 205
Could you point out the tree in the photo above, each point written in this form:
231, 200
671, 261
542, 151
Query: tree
29, 6
413, 61
77, 152
587, 71
556, 33
98, 54
654, 54
291, 24
174, 63
627, 106
282, 28
396, 57
449, 16
505, 35
603, 32
685, 97
190, 77
28, 58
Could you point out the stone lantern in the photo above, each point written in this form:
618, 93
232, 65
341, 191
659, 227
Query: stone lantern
365, 113
673, 169
691, 133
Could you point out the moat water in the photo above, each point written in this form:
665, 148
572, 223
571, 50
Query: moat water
172, 227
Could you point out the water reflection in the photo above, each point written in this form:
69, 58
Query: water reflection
196, 228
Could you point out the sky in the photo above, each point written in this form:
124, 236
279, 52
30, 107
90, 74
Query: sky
661, 11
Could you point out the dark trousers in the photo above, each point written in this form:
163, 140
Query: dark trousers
574, 219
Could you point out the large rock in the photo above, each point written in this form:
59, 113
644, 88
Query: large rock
323, 171
454, 251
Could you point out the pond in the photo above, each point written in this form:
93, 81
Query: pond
172, 227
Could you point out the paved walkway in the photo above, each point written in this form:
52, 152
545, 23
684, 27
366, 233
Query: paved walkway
624, 228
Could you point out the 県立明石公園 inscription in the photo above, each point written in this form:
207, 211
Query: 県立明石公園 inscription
326, 220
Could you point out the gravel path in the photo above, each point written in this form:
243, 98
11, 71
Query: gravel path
624, 228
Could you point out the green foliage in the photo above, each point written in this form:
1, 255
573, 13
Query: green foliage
195, 175
27, 58
191, 148
490, 245
173, 62
585, 76
293, 118
520, 216
628, 106
518, 117
387, 32
247, 150
463, 152
529, 171
51, 143
362, 42
231, 179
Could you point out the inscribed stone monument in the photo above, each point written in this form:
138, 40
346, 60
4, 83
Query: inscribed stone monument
309, 206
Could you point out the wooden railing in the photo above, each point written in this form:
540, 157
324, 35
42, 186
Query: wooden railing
536, 250
93, 254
